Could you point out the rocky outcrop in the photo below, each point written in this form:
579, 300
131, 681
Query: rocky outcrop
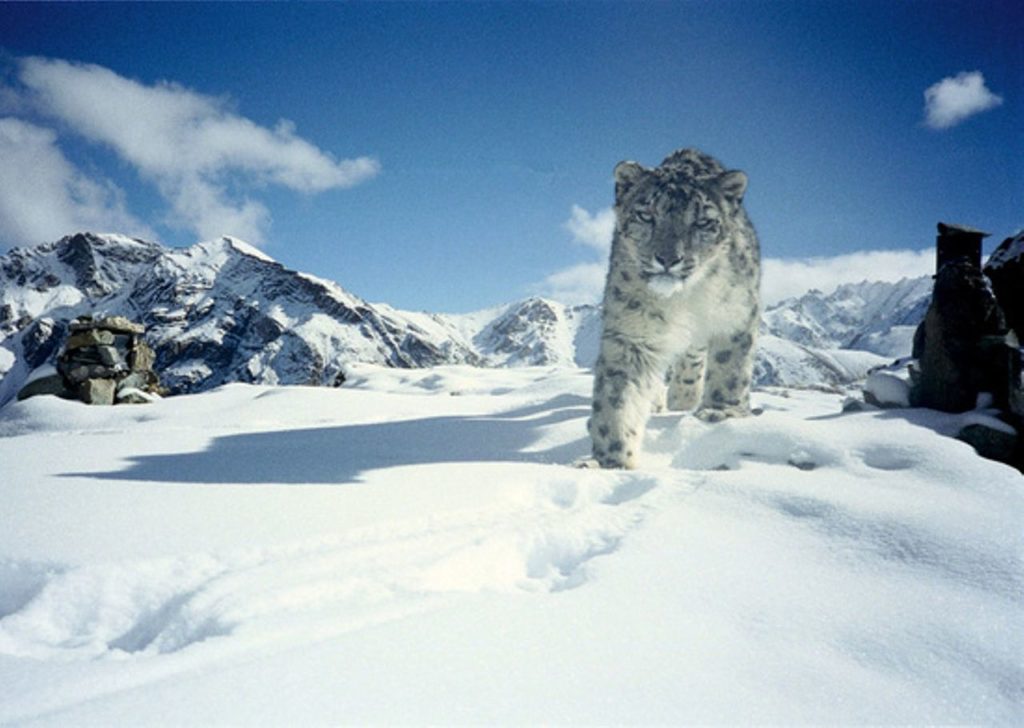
967, 348
104, 361
963, 324
1005, 268
107, 361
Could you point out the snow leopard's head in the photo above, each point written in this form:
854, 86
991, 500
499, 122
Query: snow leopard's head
674, 219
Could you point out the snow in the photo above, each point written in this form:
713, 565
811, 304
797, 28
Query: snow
7, 360
246, 249
784, 362
889, 388
415, 547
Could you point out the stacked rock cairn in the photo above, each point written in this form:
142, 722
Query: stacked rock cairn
107, 361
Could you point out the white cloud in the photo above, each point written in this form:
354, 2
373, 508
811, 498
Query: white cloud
583, 283
196, 151
594, 230
781, 279
43, 196
953, 99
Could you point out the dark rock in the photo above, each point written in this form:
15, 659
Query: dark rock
993, 443
917, 350
958, 242
97, 391
112, 324
40, 341
953, 365
1005, 268
80, 338
142, 357
52, 384
111, 357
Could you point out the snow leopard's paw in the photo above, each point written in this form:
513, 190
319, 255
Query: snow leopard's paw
712, 415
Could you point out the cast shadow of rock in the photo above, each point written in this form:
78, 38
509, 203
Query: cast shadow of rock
334, 455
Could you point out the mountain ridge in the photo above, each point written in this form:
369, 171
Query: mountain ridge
222, 311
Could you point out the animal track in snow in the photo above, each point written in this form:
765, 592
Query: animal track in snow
889, 457
769, 439
160, 606
21, 582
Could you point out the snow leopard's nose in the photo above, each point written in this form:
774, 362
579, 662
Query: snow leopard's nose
667, 262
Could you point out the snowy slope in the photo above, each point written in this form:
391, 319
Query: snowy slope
781, 362
875, 316
413, 548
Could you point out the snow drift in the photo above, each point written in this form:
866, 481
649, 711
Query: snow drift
415, 548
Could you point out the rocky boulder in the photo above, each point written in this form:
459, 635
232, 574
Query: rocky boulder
1005, 268
964, 325
104, 361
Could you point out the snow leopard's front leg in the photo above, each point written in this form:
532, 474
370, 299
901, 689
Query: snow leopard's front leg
730, 367
626, 377
686, 380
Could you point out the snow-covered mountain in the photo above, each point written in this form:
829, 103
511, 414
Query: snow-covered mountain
533, 332
215, 312
870, 316
222, 311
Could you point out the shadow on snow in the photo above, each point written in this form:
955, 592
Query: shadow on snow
342, 454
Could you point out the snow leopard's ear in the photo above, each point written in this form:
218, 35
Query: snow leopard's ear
732, 185
626, 175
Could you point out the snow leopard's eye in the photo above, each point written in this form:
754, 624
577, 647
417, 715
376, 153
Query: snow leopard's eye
707, 224
645, 216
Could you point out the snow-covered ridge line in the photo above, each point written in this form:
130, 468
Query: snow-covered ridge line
222, 311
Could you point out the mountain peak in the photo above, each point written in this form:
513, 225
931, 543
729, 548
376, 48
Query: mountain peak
876, 316
245, 248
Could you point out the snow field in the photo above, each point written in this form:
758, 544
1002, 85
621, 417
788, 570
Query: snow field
414, 548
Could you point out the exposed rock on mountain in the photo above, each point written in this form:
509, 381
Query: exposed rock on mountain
216, 312
222, 311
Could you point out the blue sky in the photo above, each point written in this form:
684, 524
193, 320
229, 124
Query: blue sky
449, 157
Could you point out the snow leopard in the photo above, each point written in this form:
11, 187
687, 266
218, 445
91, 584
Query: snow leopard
681, 302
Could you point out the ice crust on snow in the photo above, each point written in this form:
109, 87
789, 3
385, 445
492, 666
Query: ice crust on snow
415, 547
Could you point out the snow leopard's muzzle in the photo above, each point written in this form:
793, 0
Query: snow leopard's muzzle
666, 273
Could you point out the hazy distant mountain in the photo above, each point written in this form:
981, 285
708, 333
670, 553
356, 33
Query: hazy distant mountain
222, 311
870, 316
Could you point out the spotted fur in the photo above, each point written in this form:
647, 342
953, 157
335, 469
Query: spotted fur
681, 302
